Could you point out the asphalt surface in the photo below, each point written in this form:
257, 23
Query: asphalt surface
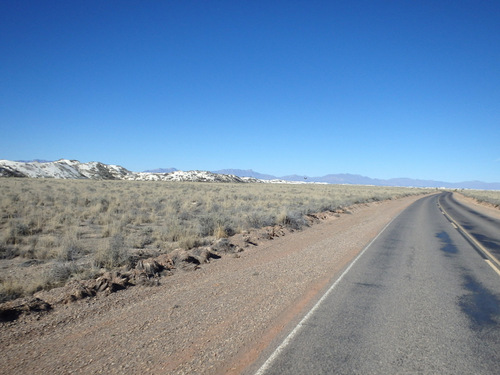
419, 300
485, 229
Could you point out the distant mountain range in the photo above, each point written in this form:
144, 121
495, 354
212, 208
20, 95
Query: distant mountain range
354, 179
248, 173
62, 169
73, 169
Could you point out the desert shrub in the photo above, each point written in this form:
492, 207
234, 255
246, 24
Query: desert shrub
143, 218
21, 229
185, 215
70, 249
211, 223
8, 251
190, 242
10, 289
221, 232
15, 288
106, 231
162, 234
258, 220
144, 238
175, 231
68, 220
113, 228
88, 272
112, 254
27, 252
63, 219
16, 233
488, 196
60, 272
292, 219
103, 205
47, 241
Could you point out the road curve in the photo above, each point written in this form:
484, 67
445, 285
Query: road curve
420, 299
483, 230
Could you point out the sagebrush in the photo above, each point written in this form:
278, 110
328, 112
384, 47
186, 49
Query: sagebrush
61, 229
489, 196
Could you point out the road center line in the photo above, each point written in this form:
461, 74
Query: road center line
494, 262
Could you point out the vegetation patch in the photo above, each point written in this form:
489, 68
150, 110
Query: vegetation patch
488, 196
55, 232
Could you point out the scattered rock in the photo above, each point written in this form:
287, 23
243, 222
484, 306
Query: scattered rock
224, 246
275, 231
13, 309
149, 267
203, 255
111, 282
184, 260
79, 290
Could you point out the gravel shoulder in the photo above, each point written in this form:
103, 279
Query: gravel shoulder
217, 319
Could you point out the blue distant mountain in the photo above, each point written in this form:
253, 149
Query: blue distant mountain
9, 169
354, 179
35, 161
246, 173
340, 178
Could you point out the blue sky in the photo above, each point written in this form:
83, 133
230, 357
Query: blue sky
378, 88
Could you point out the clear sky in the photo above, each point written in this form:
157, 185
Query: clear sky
394, 88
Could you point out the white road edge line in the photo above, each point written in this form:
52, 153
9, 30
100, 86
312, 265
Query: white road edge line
296, 330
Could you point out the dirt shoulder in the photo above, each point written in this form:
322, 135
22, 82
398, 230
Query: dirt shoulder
482, 207
217, 319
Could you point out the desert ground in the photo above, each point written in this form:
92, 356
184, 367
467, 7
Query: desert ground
213, 317
54, 232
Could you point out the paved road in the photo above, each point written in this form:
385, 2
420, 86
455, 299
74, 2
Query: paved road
420, 300
484, 229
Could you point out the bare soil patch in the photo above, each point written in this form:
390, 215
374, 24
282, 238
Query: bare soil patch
214, 319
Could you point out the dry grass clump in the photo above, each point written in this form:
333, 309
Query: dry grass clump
112, 253
488, 196
72, 228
